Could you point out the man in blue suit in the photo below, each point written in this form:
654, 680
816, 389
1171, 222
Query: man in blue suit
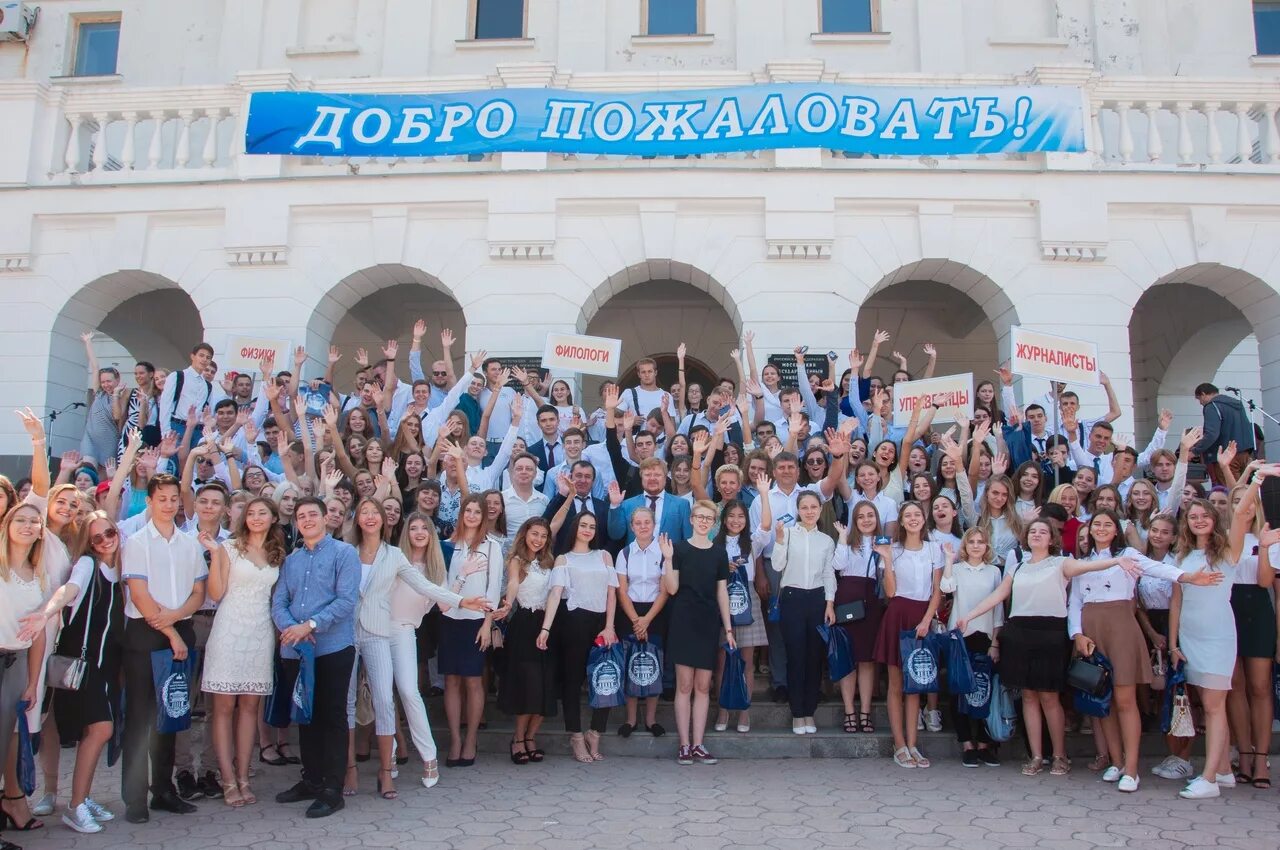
577, 493
671, 511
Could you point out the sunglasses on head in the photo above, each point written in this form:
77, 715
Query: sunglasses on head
103, 537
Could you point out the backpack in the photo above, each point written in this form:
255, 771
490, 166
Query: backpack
1002, 717
177, 393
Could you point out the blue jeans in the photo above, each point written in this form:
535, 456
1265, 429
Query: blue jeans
179, 427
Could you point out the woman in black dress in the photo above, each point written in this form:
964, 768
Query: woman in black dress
91, 606
696, 575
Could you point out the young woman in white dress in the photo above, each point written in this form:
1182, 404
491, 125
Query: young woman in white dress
239, 656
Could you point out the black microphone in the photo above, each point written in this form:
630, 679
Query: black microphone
1235, 390
76, 404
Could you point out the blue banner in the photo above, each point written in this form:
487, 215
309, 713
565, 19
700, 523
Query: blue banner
860, 119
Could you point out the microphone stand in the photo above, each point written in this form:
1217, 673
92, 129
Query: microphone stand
52, 416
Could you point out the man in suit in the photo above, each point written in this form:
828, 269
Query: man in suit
672, 512
576, 489
548, 451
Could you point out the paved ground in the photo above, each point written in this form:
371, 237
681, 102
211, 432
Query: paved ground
623, 803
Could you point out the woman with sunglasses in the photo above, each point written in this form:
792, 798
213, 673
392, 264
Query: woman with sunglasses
695, 573
91, 605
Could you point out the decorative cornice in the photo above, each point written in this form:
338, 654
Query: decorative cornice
15, 263
799, 249
1074, 252
274, 255
532, 250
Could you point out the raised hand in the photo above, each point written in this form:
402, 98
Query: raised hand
665, 546
1006, 375
1228, 454
855, 360
388, 468
629, 420
902, 361
779, 531
362, 358
681, 349
749, 337
299, 355
1166, 419
563, 486
419, 328
928, 349
334, 354
881, 337
390, 350
499, 382
477, 359
227, 382
700, 443
841, 532
169, 444
87, 337
752, 386
1000, 463
71, 459
520, 375
763, 484
446, 339
517, 409
611, 397
615, 494
1189, 440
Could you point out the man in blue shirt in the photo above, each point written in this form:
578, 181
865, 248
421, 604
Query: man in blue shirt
315, 601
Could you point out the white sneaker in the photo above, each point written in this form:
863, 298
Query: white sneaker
1199, 789
933, 720
1128, 784
44, 806
1226, 780
1111, 774
99, 812
797, 726
920, 721
81, 820
1174, 768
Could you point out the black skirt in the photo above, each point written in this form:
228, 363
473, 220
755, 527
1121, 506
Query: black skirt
529, 684
1255, 621
459, 654
657, 629
693, 633
1034, 653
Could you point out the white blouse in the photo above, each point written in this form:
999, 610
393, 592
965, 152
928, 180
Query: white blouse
534, 587
643, 568
913, 570
971, 585
586, 580
476, 572
885, 506
805, 560
864, 563
759, 540
1247, 567
1156, 594
18, 598
1111, 585
1039, 587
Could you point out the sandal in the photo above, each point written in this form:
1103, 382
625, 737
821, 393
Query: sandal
902, 758
864, 723
349, 783
1061, 766
1100, 762
579, 746
6, 818
389, 793
288, 758
1243, 778
246, 793
430, 773
921, 761
278, 761
535, 754
231, 795
1033, 766
593, 745
518, 757
851, 722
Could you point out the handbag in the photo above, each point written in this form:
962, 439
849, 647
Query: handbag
605, 675
739, 597
734, 695
839, 652
644, 668
28, 745
304, 689
1181, 724
960, 673
66, 672
1159, 670
851, 612
1094, 699
172, 680
919, 663
1088, 676
364, 698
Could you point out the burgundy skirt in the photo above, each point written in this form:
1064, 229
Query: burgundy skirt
862, 634
900, 615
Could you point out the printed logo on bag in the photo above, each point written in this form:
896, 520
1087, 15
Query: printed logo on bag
175, 693
739, 601
643, 668
606, 679
981, 693
299, 694
922, 666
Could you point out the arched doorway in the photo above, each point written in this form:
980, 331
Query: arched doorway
373, 305
653, 307
1189, 328
136, 315
957, 309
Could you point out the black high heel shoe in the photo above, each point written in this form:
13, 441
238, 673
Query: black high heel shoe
535, 755
7, 821
521, 757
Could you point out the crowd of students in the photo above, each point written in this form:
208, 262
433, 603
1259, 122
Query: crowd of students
449, 533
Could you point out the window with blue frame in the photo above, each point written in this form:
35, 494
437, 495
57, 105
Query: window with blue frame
672, 17
841, 16
499, 19
1266, 27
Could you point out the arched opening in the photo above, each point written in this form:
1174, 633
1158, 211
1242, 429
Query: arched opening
138, 316
653, 307
369, 307
1193, 326
957, 309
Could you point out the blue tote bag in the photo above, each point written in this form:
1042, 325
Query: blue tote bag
976, 703
27, 746
1002, 719
951, 646
739, 597
733, 688
173, 690
919, 663
605, 675
839, 653
304, 689
644, 668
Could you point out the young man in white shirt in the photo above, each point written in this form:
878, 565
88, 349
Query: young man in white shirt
642, 400
165, 573
187, 389
1101, 451
1069, 423
500, 419
521, 500
442, 376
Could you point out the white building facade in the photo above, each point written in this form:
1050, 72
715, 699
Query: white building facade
127, 204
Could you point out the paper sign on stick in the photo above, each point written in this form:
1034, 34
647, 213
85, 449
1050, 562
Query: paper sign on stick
243, 354
587, 355
953, 394
1057, 358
